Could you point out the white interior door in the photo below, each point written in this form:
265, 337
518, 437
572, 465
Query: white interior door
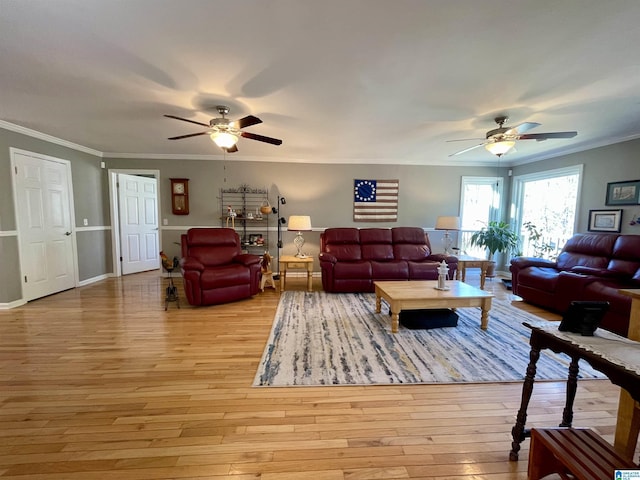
43, 202
138, 213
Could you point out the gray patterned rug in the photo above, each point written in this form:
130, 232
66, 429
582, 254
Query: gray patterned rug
322, 338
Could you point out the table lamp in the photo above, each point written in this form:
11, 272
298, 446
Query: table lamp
299, 223
447, 224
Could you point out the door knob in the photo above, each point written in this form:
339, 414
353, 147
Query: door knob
67, 233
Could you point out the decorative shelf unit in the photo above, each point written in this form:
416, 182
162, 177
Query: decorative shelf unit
240, 209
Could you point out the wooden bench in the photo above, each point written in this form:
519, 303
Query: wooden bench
576, 451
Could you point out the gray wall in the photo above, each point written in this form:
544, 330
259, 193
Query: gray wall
323, 191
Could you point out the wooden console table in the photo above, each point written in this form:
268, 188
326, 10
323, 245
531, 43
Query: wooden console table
620, 372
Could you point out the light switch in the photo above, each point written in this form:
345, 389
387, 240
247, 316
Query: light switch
85, 222
165, 221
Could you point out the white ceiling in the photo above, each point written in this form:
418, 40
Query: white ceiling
353, 81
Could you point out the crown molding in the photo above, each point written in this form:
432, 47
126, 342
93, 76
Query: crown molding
48, 138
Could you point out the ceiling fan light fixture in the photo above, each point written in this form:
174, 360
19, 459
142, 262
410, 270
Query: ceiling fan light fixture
224, 139
501, 147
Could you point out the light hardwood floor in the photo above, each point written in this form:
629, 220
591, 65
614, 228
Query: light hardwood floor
100, 382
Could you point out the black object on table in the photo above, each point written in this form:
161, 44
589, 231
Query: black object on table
541, 339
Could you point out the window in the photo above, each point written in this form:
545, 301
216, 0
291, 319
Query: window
480, 199
548, 200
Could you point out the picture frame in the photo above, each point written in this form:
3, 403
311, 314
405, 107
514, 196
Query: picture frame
605, 220
623, 193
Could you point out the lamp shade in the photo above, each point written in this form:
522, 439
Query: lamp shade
500, 148
448, 223
224, 139
299, 223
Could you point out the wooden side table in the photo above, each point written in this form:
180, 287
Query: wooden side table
628, 423
465, 261
290, 262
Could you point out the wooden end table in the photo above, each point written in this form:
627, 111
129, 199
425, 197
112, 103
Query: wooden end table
422, 294
290, 262
628, 422
465, 261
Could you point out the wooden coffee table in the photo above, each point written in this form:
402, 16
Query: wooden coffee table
416, 295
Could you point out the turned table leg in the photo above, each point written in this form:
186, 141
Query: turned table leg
572, 387
517, 432
484, 316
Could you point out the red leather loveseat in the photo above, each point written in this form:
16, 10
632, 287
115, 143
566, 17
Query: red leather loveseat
590, 267
214, 269
351, 259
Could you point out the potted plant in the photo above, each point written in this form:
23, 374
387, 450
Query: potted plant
496, 237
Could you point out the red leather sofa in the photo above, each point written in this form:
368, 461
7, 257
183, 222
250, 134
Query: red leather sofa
214, 269
590, 267
351, 259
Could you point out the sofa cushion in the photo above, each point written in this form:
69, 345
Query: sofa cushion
376, 244
343, 243
212, 246
341, 235
413, 235
394, 270
625, 258
423, 270
225, 276
587, 250
540, 278
345, 252
410, 243
352, 270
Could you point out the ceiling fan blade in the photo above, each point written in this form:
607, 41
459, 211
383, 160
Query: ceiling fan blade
247, 121
467, 149
186, 120
544, 136
261, 138
187, 136
523, 127
231, 149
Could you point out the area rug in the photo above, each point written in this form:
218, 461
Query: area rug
322, 338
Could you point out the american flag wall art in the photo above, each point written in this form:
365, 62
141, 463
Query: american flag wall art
375, 200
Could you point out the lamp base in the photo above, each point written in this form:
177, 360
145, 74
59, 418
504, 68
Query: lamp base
447, 243
298, 241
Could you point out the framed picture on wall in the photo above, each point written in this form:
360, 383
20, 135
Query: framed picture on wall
623, 193
605, 220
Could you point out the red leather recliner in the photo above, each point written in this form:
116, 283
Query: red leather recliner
214, 269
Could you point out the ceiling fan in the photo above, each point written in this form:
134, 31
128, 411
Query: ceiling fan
225, 132
501, 140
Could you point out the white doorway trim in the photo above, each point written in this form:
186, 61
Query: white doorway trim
116, 250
